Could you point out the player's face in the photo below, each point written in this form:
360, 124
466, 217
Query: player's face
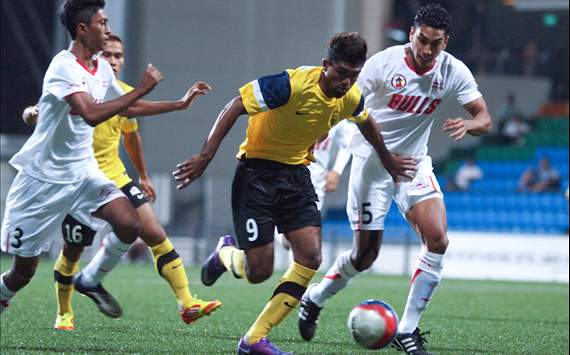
96, 33
426, 44
339, 77
113, 53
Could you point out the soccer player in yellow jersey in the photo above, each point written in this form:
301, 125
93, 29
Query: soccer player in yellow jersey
76, 235
288, 113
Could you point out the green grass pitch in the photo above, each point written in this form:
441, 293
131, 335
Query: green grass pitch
466, 317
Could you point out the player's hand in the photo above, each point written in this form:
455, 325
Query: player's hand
401, 167
148, 188
457, 126
331, 181
30, 115
199, 88
151, 77
189, 170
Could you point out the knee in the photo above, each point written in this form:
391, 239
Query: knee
311, 260
257, 275
22, 277
363, 259
437, 242
129, 230
153, 233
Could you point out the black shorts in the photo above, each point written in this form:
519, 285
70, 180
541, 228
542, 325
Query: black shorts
266, 194
78, 234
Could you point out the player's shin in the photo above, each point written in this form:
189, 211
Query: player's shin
233, 260
171, 268
425, 281
105, 260
336, 278
5, 293
63, 272
285, 297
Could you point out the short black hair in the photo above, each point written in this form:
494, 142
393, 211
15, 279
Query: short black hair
74, 12
433, 15
347, 47
114, 37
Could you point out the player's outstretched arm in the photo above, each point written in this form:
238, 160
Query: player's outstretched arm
149, 108
191, 169
30, 115
479, 124
95, 113
397, 166
134, 147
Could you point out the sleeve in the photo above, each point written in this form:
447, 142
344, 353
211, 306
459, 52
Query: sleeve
356, 100
266, 93
63, 81
369, 76
466, 88
115, 90
129, 125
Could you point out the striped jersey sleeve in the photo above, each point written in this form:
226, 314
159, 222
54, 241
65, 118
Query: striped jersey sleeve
266, 93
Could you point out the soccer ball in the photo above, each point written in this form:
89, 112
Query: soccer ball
373, 324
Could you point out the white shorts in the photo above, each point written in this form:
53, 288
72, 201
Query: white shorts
35, 210
371, 190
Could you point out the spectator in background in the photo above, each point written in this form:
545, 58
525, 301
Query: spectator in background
467, 173
513, 131
541, 179
510, 108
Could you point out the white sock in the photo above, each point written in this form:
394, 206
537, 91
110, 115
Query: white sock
425, 281
336, 278
105, 260
5, 292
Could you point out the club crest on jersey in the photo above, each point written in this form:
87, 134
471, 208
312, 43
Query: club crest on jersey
398, 81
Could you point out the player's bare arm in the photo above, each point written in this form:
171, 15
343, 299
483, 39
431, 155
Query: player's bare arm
149, 108
191, 169
134, 147
95, 113
479, 124
396, 165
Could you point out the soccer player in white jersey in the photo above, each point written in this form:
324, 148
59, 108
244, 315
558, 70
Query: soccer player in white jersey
405, 88
57, 171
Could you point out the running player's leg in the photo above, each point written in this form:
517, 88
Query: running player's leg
422, 202
369, 198
306, 247
300, 221
34, 210
104, 202
76, 236
428, 218
16, 278
169, 266
126, 226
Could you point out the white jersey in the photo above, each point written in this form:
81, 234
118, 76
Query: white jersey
60, 149
405, 103
340, 135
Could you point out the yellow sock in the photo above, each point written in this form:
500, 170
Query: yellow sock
289, 291
234, 260
63, 271
170, 267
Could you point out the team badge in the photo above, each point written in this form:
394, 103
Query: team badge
398, 81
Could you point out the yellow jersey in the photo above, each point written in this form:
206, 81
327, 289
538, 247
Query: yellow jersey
106, 139
289, 112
